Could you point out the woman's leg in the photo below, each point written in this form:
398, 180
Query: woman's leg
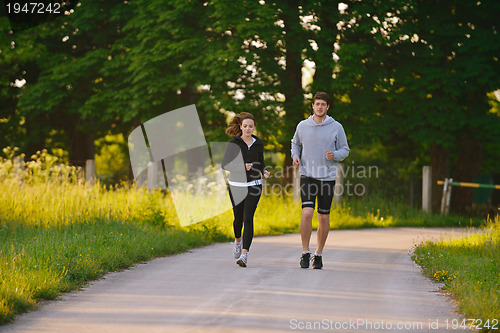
238, 215
238, 211
251, 202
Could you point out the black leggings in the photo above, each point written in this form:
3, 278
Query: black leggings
243, 215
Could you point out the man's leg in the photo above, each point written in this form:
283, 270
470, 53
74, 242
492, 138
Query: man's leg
306, 227
323, 230
308, 191
325, 198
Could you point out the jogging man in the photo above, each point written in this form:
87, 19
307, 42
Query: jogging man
318, 144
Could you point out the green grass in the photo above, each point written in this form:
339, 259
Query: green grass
376, 211
57, 233
470, 270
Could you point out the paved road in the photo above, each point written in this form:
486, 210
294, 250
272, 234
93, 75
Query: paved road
368, 284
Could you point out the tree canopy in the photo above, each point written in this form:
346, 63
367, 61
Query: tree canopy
414, 77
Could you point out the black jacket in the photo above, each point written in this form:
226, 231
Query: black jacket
254, 154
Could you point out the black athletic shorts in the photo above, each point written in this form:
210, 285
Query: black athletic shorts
311, 188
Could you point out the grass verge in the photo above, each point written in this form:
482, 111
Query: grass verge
469, 268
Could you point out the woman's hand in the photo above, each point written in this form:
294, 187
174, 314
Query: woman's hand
267, 174
248, 166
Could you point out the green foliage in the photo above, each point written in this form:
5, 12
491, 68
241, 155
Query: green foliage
412, 75
111, 159
405, 75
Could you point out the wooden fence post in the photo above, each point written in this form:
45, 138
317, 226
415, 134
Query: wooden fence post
448, 197
427, 188
90, 171
443, 196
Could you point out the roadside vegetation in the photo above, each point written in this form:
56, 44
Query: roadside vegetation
469, 268
57, 233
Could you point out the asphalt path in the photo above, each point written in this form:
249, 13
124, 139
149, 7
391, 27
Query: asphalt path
368, 284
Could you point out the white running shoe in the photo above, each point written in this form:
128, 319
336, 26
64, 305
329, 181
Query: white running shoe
236, 250
242, 260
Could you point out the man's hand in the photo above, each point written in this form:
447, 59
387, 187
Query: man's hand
248, 166
296, 162
266, 174
329, 155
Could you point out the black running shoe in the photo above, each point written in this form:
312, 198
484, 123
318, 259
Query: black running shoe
317, 262
304, 260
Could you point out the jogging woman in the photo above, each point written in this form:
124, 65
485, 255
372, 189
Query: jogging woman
241, 128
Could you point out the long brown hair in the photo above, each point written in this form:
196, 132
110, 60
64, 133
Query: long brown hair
235, 123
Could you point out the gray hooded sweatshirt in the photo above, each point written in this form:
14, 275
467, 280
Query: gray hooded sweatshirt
310, 142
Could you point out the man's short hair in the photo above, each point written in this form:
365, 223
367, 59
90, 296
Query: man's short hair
323, 96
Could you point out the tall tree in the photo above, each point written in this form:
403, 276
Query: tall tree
452, 51
65, 75
19, 58
431, 66
222, 55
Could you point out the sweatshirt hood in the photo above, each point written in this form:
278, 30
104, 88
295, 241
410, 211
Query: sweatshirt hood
328, 120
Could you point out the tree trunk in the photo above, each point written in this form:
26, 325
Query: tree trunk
470, 153
292, 80
196, 158
82, 148
468, 167
36, 128
329, 16
440, 162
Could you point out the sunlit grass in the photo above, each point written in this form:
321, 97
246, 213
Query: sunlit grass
470, 269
